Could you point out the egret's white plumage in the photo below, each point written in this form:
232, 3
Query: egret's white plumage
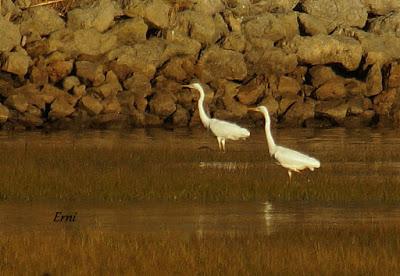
290, 159
222, 129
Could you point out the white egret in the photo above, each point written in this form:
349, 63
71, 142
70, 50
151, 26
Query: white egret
222, 129
290, 159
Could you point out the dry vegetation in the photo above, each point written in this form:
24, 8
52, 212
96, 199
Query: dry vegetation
358, 249
166, 167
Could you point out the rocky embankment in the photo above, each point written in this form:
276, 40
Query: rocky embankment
106, 63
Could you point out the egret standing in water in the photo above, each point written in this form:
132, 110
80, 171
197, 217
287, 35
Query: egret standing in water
222, 130
290, 159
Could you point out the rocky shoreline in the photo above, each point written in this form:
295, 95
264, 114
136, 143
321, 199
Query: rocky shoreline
313, 63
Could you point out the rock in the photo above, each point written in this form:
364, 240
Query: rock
286, 102
111, 105
30, 120
163, 104
17, 63
17, 102
49, 93
130, 31
321, 74
299, 112
251, 92
337, 12
40, 21
209, 7
381, 7
58, 70
60, 108
288, 87
202, 27
32, 95
179, 68
378, 49
394, 75
384, 102
324, 49
139, 83
92, 105
355, 87
374, 81
181, 116
152, 120
232, 109
178, 45
311, 25
272, 105
156, 12
99, 16
270, 61
81, 42
389, 24
281, 6
335, 110
217, 63
90, 71
10, 35
143, 57
356, 105
234, 41
39, 74
332, 89
70, 82
4, 114
111, 87
8, 9
79, 91
271, 27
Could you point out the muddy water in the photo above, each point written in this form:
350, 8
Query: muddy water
356, 156
188, 218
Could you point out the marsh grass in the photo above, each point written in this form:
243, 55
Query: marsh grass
357, 249
167, 167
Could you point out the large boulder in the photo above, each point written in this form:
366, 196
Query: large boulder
324, 49
337, 12
111, 86
81, 42
321, 74
92, 105
217, 63
40, 21
299, 112
59, 69
394, 75
90, 71
251, 92
379, 49
99, 16
336, 110
155, 12
381, 7
17, 102
386, 24
312, 25
60, 108
288, 87
10, 35
4, 114
179, 68
384, 102
332, 89
181, 116
130, 31
17, 62
374, 80
163, 104
271, 27
283, 6
270, 61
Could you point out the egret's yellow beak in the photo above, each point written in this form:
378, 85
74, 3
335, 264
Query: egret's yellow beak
252, 109
187, 86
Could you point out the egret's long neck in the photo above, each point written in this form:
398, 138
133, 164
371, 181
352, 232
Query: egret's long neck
203, 115
270, 139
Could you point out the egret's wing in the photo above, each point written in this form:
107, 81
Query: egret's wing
228, 130
291, 158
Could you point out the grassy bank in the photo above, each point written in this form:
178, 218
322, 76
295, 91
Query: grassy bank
357, 249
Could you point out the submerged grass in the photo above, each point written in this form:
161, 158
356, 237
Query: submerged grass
170, 169
358, 249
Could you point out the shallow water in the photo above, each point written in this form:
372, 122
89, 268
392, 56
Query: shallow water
190, 218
